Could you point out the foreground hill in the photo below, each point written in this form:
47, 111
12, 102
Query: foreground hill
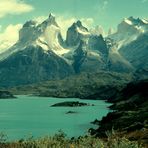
130, 112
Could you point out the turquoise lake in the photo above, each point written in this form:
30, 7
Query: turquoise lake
31, 115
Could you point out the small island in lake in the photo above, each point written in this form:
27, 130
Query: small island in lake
71, 112
6, 95
70, 104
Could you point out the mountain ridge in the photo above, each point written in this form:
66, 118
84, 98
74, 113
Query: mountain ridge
58, 58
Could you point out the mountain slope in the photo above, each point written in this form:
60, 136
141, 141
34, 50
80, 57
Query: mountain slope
130, 111
41, 54
137, 52
75, 33
33, 58
32, 65
91, 52
128, 30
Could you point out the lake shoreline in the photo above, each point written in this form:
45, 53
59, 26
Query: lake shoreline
31, 109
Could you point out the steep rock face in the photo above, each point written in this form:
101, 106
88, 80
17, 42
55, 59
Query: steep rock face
89, 52
79, 56
47, 35
137, 52
76, 33
32, 65
98, 43
28, 32
91, 56
94, 53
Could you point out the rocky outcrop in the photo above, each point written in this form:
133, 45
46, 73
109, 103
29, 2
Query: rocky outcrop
76, 33
93, 53
5, 95
79, 56
70, 104
71, 112
97, 43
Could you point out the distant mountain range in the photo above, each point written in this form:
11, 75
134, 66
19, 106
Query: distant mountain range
42, 54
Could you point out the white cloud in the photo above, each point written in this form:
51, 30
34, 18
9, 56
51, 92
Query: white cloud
40, 19
143, 1
98, 30
9, 36
14, 7
87, 22
105, 3
102, 6
64, 24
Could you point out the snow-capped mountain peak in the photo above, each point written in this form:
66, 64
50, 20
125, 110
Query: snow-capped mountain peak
46, 35
138, 21
49, 21
129, 22
128, 30
76, 33
78, 26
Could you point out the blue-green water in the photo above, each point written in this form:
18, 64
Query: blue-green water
31, 115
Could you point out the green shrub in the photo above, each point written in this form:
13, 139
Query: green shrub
61, 141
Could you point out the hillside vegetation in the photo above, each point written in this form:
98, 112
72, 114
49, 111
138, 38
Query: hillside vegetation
60, 141
86, 85
130, 112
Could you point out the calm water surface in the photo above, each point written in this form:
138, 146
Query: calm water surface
31, 115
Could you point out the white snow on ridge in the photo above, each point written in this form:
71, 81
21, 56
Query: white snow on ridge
128, 21
82, 32
95, 54
42, 44
51, 38
145, 21
50, 35
15, 48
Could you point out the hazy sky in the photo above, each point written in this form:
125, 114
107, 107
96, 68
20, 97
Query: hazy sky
107, 13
